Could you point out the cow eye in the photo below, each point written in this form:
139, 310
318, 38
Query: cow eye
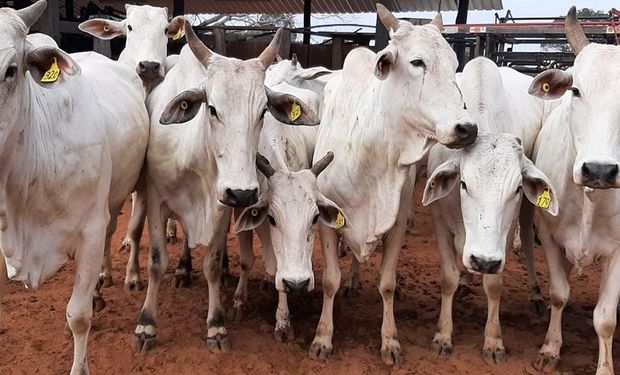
213, 111
11, 72
129, 27
576, 92
418, 63
315, 219
272, 221
463, 185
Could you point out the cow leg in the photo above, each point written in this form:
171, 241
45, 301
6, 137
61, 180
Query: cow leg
605, 314
98, 301
105, 277
442, 342
145, 333
217, 337
269, 257
352, 283
3, 281
284, 330
134, 233
526, 223
559, 291
183, 274
493, 350
246, 255
171, 231
321, 346
80, 307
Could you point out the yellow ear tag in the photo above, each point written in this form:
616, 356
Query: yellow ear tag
106, 28
180, 34
339, 220
544, 199
184, 105
254, 212
52, 74
546, 87
295, 111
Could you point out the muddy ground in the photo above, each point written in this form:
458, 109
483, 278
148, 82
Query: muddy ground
32, 340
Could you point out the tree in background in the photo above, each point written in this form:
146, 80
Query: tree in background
584, 12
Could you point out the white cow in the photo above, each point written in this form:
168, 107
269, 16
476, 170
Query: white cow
291, 203
291, 72
73, 143
380, 116
147, 31
579, 150
477, 221
198, 170
498, 100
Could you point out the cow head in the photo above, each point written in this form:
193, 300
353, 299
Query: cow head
235, 99
291, 72
590, 107
17, 58
419, 67
147, 30
492, 175
292, 207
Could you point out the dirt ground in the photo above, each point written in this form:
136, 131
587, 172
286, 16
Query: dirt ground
32, 340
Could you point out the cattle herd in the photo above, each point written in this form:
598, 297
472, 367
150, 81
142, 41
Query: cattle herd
207, 140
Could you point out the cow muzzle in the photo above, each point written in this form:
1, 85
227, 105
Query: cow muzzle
240, 197
481, 265
599, 175
465, 134
296, 286
150, 71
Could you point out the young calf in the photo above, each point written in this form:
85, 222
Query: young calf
477, 220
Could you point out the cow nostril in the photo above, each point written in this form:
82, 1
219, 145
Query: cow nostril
599, 173
141, 65
466, 132
585, 170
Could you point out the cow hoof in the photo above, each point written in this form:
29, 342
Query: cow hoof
172, 238
538, 304
546, 363
237, 312
443, 349
391, 353
319, 350
125, 246
98, 303
218, 343
133, 283
143, 342
494, 355
182, 279
284, 332
106, 281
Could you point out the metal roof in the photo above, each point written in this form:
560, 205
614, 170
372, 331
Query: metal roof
297, 6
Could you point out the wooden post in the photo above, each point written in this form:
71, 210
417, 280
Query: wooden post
382, 36
103, 47
285, 44
69, 13
220, 41
307, 20
459, 47
178, 8
337, 48
49, 23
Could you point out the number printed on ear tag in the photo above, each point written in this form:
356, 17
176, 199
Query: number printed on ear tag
339, 220
544, 199
180, 34
295, 111
52, 74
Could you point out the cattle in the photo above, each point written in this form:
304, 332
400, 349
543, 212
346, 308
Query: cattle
287, 211
477, 193
380, 116
206, 118
579, 150
68, 162
291, 72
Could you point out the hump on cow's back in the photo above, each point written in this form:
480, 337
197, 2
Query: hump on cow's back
360, 62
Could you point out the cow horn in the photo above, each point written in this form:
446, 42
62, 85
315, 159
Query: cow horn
202, 53
388, 19
320, 165
438, 21
574, 33
31, 14
263, 165
270, 53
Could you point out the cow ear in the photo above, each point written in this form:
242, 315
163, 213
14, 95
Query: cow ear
176, 28
102, 28
183, 107
551, 84
385, 60
50, 66
538, 189
251, 217
289, 109
330, 213
441, 182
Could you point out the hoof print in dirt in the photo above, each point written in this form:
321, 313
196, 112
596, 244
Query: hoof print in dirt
220, 343
320, 351
443, 349
182, 279
143, 342
491, 356
285, 333
98, 304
